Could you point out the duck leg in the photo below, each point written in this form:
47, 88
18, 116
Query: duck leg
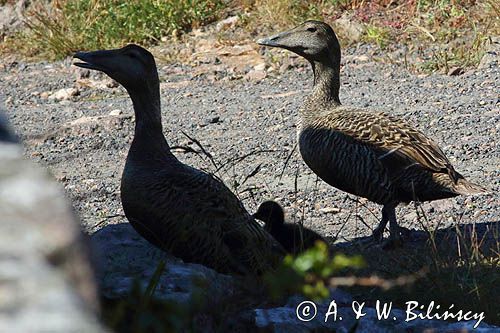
397, 232
389, 215
378, 233
395, 237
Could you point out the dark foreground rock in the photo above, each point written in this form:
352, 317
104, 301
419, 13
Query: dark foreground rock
46, 283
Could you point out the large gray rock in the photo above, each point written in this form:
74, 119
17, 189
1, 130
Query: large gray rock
46, 283
126, 257
349, 28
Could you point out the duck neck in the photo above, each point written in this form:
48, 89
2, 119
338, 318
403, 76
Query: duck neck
326, 80
148, 128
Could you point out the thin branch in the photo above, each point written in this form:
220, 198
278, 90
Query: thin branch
375, 281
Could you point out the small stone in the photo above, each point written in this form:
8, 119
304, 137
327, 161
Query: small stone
255, 75
352, 29
260, 67
361, 58
116, 112
227, 23
455, 71
214, 120
62, 178
283, 68
64, 93
112, 84
492, 55
329, 210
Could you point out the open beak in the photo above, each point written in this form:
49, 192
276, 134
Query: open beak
94, 60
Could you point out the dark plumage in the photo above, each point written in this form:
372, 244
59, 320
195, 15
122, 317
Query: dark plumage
294, 237
360, 151
180, 209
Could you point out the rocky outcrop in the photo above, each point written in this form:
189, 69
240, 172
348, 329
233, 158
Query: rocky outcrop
47, 284
284, 319
126, 257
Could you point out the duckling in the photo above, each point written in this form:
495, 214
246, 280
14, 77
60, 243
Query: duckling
294, 238
176, 207
361, 151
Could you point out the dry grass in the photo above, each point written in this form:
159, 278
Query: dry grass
438, 34
461, 265
65, 26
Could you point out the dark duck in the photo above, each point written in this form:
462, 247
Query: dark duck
178, 208
361, 151
294, 237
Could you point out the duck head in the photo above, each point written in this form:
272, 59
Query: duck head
271, 213
132, 66
314, 40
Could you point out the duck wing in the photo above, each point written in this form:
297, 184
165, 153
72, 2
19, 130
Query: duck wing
220, 229
397, 145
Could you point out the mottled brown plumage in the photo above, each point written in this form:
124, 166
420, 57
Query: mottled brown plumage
182, 210
360, 151
294, 237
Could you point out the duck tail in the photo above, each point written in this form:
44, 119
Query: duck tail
465, 187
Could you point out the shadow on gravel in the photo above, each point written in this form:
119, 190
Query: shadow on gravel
457, 266
483, 237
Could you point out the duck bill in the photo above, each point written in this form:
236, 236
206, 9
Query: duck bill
279, 40
97, 60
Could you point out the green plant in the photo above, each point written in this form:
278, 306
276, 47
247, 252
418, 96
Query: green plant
72, 25
309, 272
377, 35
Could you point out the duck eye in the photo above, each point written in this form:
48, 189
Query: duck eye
311, 29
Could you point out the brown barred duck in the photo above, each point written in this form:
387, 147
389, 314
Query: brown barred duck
292, 236
361, 151
180, 209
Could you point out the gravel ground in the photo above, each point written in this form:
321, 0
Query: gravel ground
85, 146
